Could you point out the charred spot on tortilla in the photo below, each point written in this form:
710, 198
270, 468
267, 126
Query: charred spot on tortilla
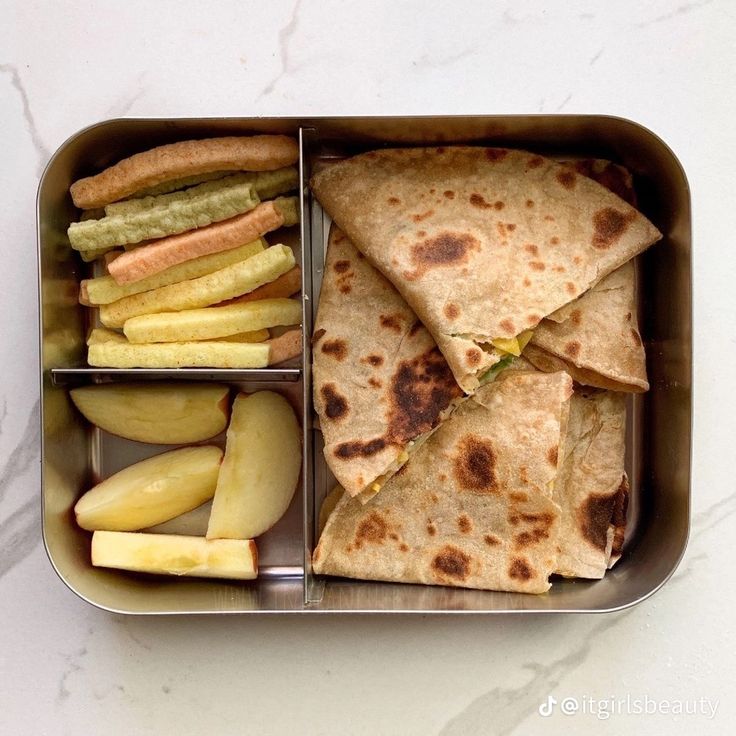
537, 265
543, 518
498, 205
508, 325
519, 496
336, 405
477, 200
571, 288
337, 349
446, 249
422, 215
520, 569
341, 266
394, 536
529, 538
526, 281
535, 162
531, 249
496, 155
318, 335
572, 349
594, 516
391, 322
415, 328
474, 466
374, 382
577, 260
451, 310
421, 233
566, 178
451, 562
357, 448
636, 337
576, 316
514, 519
431, 529
404, 547
532, 320
491, 540
552, 455
372, 529
374, 360
549, 218
393, 200
449, 194
609, 225
510, 226
464, 524
421, 389
554, 240
530, 203
473, 356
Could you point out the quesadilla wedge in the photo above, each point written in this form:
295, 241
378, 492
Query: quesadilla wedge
483, 243
596, 337
592, 485
475, 507
380, 383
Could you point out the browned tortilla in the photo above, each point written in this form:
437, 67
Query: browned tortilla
475, 505
482, 242
379, 380
592, 485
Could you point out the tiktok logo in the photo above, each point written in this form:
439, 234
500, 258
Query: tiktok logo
547, 707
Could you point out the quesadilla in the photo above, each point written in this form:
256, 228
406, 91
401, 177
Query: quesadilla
596, 337
380, 383
475, 507
483, 243
592, 485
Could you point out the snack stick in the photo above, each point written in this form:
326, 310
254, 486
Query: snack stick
92, 255
159, 222
104, 290
110, 256
201, 354
100, 335
158, 256
285, 285
285, 347
266, 183
233, 280
253, 336
186, 158
212, 322
181, 183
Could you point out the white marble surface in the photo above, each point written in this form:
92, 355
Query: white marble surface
67, 668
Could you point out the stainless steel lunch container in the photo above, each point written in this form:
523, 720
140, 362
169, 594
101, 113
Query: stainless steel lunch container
659, 434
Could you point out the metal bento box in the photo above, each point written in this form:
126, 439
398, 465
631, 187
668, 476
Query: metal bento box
75, 455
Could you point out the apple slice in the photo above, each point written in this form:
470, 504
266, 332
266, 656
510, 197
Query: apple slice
170, 554
163, 414
260, 470
152, 491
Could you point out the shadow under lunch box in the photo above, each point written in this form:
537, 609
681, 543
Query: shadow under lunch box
76, 455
